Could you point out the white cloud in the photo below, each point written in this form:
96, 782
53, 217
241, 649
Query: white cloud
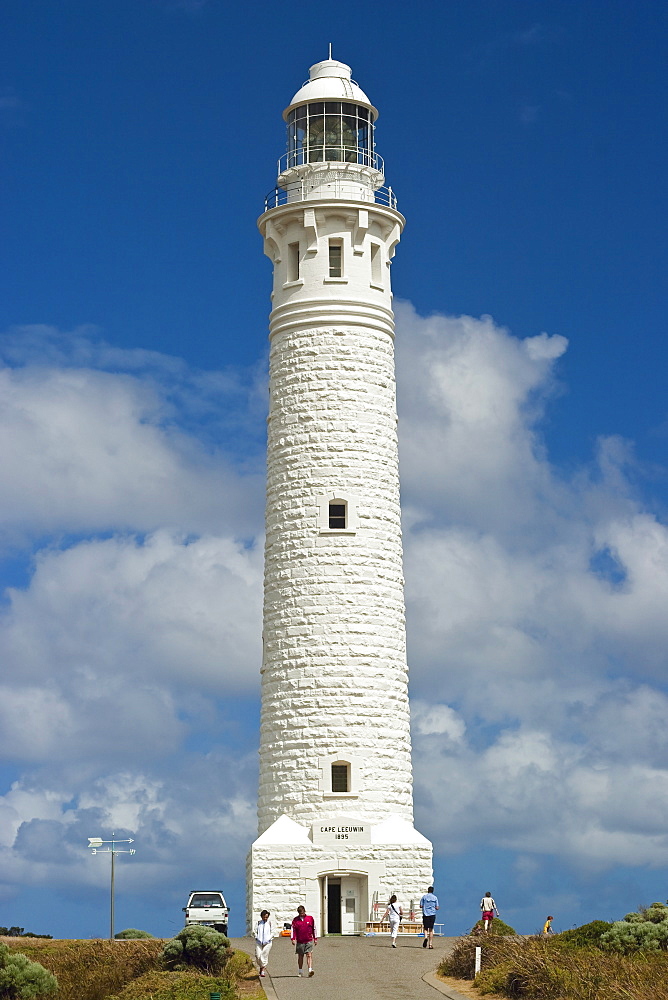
536, 609
109, 635
84, 449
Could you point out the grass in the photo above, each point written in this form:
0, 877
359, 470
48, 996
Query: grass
131, 970
545, 969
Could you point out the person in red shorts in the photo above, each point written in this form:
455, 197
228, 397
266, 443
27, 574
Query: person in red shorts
304, 938
488, 907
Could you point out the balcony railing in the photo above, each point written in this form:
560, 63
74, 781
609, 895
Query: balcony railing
301, 191
330, 154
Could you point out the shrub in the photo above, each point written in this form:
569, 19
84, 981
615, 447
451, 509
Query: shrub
539, 968
130, 933
587, 936
646, 930
91, 970
497, 926
460, 963
199, 948
175, 986
21, 978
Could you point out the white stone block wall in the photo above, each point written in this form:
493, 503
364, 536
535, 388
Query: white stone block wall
277, 881
334, 668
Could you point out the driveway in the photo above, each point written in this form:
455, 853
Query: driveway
356, 968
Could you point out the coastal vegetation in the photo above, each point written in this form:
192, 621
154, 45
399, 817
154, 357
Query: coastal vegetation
136, 969
624, 960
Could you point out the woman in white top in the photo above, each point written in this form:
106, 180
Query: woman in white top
395, 913
264, 938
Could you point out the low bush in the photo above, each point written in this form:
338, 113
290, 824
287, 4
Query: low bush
131, 933
197, 948
22, 979
240, 966
91, 970
587, 936
460, 963
645, 930
497, 926
541, 969
176, 986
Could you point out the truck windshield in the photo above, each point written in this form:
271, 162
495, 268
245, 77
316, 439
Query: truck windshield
207, 899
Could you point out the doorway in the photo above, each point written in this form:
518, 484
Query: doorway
333, 894
344, 903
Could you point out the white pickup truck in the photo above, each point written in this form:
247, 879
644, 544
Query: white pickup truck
207, 909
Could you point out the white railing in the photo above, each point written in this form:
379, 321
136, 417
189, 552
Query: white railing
330, 154
301, 191
376, 927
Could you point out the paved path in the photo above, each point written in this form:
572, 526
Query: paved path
356, 968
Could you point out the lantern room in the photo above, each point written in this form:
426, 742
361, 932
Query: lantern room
330, 120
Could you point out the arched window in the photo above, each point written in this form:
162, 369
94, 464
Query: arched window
341, 776
338, 513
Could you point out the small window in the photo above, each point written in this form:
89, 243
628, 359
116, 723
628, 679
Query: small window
293, 261
337, 514
376, 276
335, 259
340, 777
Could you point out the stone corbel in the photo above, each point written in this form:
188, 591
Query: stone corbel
272, 243
361, 229
311, 231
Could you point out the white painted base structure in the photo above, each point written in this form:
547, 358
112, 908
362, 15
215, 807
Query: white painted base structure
335, 802
343, 886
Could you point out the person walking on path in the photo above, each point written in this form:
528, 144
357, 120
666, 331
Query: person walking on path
305, 939
429, 906
488, 907
264, 938
395, 913
547, 929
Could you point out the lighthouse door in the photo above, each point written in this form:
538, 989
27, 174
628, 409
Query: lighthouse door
351, 899
332, 887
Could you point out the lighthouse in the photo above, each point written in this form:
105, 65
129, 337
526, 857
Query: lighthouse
335, 807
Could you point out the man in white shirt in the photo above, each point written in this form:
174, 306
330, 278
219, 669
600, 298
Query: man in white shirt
488, 907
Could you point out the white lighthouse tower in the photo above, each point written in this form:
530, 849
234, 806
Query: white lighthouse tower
335, 802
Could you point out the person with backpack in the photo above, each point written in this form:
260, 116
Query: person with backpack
395, 914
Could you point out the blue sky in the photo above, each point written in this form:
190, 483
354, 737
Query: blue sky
525, 143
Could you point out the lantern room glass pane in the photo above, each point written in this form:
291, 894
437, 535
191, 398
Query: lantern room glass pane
316, 139
332, 131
